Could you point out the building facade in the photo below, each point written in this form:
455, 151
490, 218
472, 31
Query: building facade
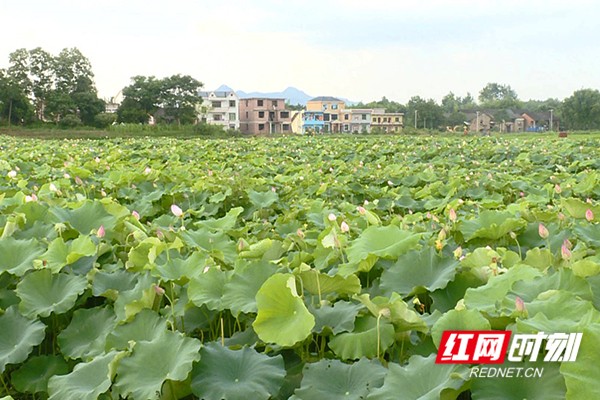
386, 122
219, 108
331, 108
264, 116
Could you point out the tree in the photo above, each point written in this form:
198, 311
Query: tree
428, 113
141, 99
582, 109
494, 95
179, 96
14, 104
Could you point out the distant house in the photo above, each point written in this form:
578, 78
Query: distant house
330, 108
479, 121
112, 104
219, 108
264, 116
386, 122
313, 121
357, 120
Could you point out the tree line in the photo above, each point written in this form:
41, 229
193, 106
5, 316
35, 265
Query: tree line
38, 87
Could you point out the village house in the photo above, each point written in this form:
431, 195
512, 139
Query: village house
219, 108
264, 116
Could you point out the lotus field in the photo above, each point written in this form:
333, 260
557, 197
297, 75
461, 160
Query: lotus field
306, 268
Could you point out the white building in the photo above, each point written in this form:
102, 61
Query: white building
220, 108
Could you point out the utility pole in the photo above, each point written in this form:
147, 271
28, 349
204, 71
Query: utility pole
416, 113
551, 111
477, 121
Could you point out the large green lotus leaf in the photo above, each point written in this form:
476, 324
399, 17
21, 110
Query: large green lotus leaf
33, 375
18, 255
422, 379
146, 326
181, 270
333, 379
85, 337
87, 218
581, 376
446, 299
131, 302
338, 318
262, 199
459, 320
143, 256
282, 316
563, 279
18, 337
60, 254
110, 284
217, 244
223, 224
318, 283
587, 267
87, 381
402, 317
419, 271
589, 233
207, 289
491, 225
550, 385
383, 241
488, 298
168, 357
43, 293
542, 259
242, 374
363, 341
547, 313
577, 208
239, 294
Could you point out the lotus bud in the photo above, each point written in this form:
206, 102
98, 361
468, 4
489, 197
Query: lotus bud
452, 215
366, 202
300, 233
344, 227
442, 235
519, 304
136, 215
12, 174
565, 252
103, 193
101, 232
513, 235
385, 312
568, 244
176, 210
331, 217
273, 189
557, 188
158, 290
589, 215
160, 234
361, 210
52, 187
522, 194
147, 170
78, 181
458, 252
543, 231
561, 216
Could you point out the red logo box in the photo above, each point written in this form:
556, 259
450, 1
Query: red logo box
473, 347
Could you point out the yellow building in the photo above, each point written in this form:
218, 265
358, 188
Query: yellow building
332, 109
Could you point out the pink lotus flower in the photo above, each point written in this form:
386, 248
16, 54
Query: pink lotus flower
344, 227
452, 215
136, 215
557, 188
589, 215
567, 243
565, 252
361, 210
176, 210
519, 304
101, 231
158, 290
543, 231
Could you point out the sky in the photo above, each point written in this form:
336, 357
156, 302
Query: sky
357, 49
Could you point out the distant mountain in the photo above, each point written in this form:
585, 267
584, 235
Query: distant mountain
292, 95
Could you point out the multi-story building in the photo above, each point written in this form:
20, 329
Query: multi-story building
220, 108
386, 122
264, 116
356, 120
331, 109
313, 122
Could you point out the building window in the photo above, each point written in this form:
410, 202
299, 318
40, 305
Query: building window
261, 127
231, 103
286, 127
216, 104
285, 114
346, 117
247, 115
260, 103
261, 114
232, 116
334, 117
397, 119
274, 102
246, 103
346, 127
364, 117
334, 106
217, 117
